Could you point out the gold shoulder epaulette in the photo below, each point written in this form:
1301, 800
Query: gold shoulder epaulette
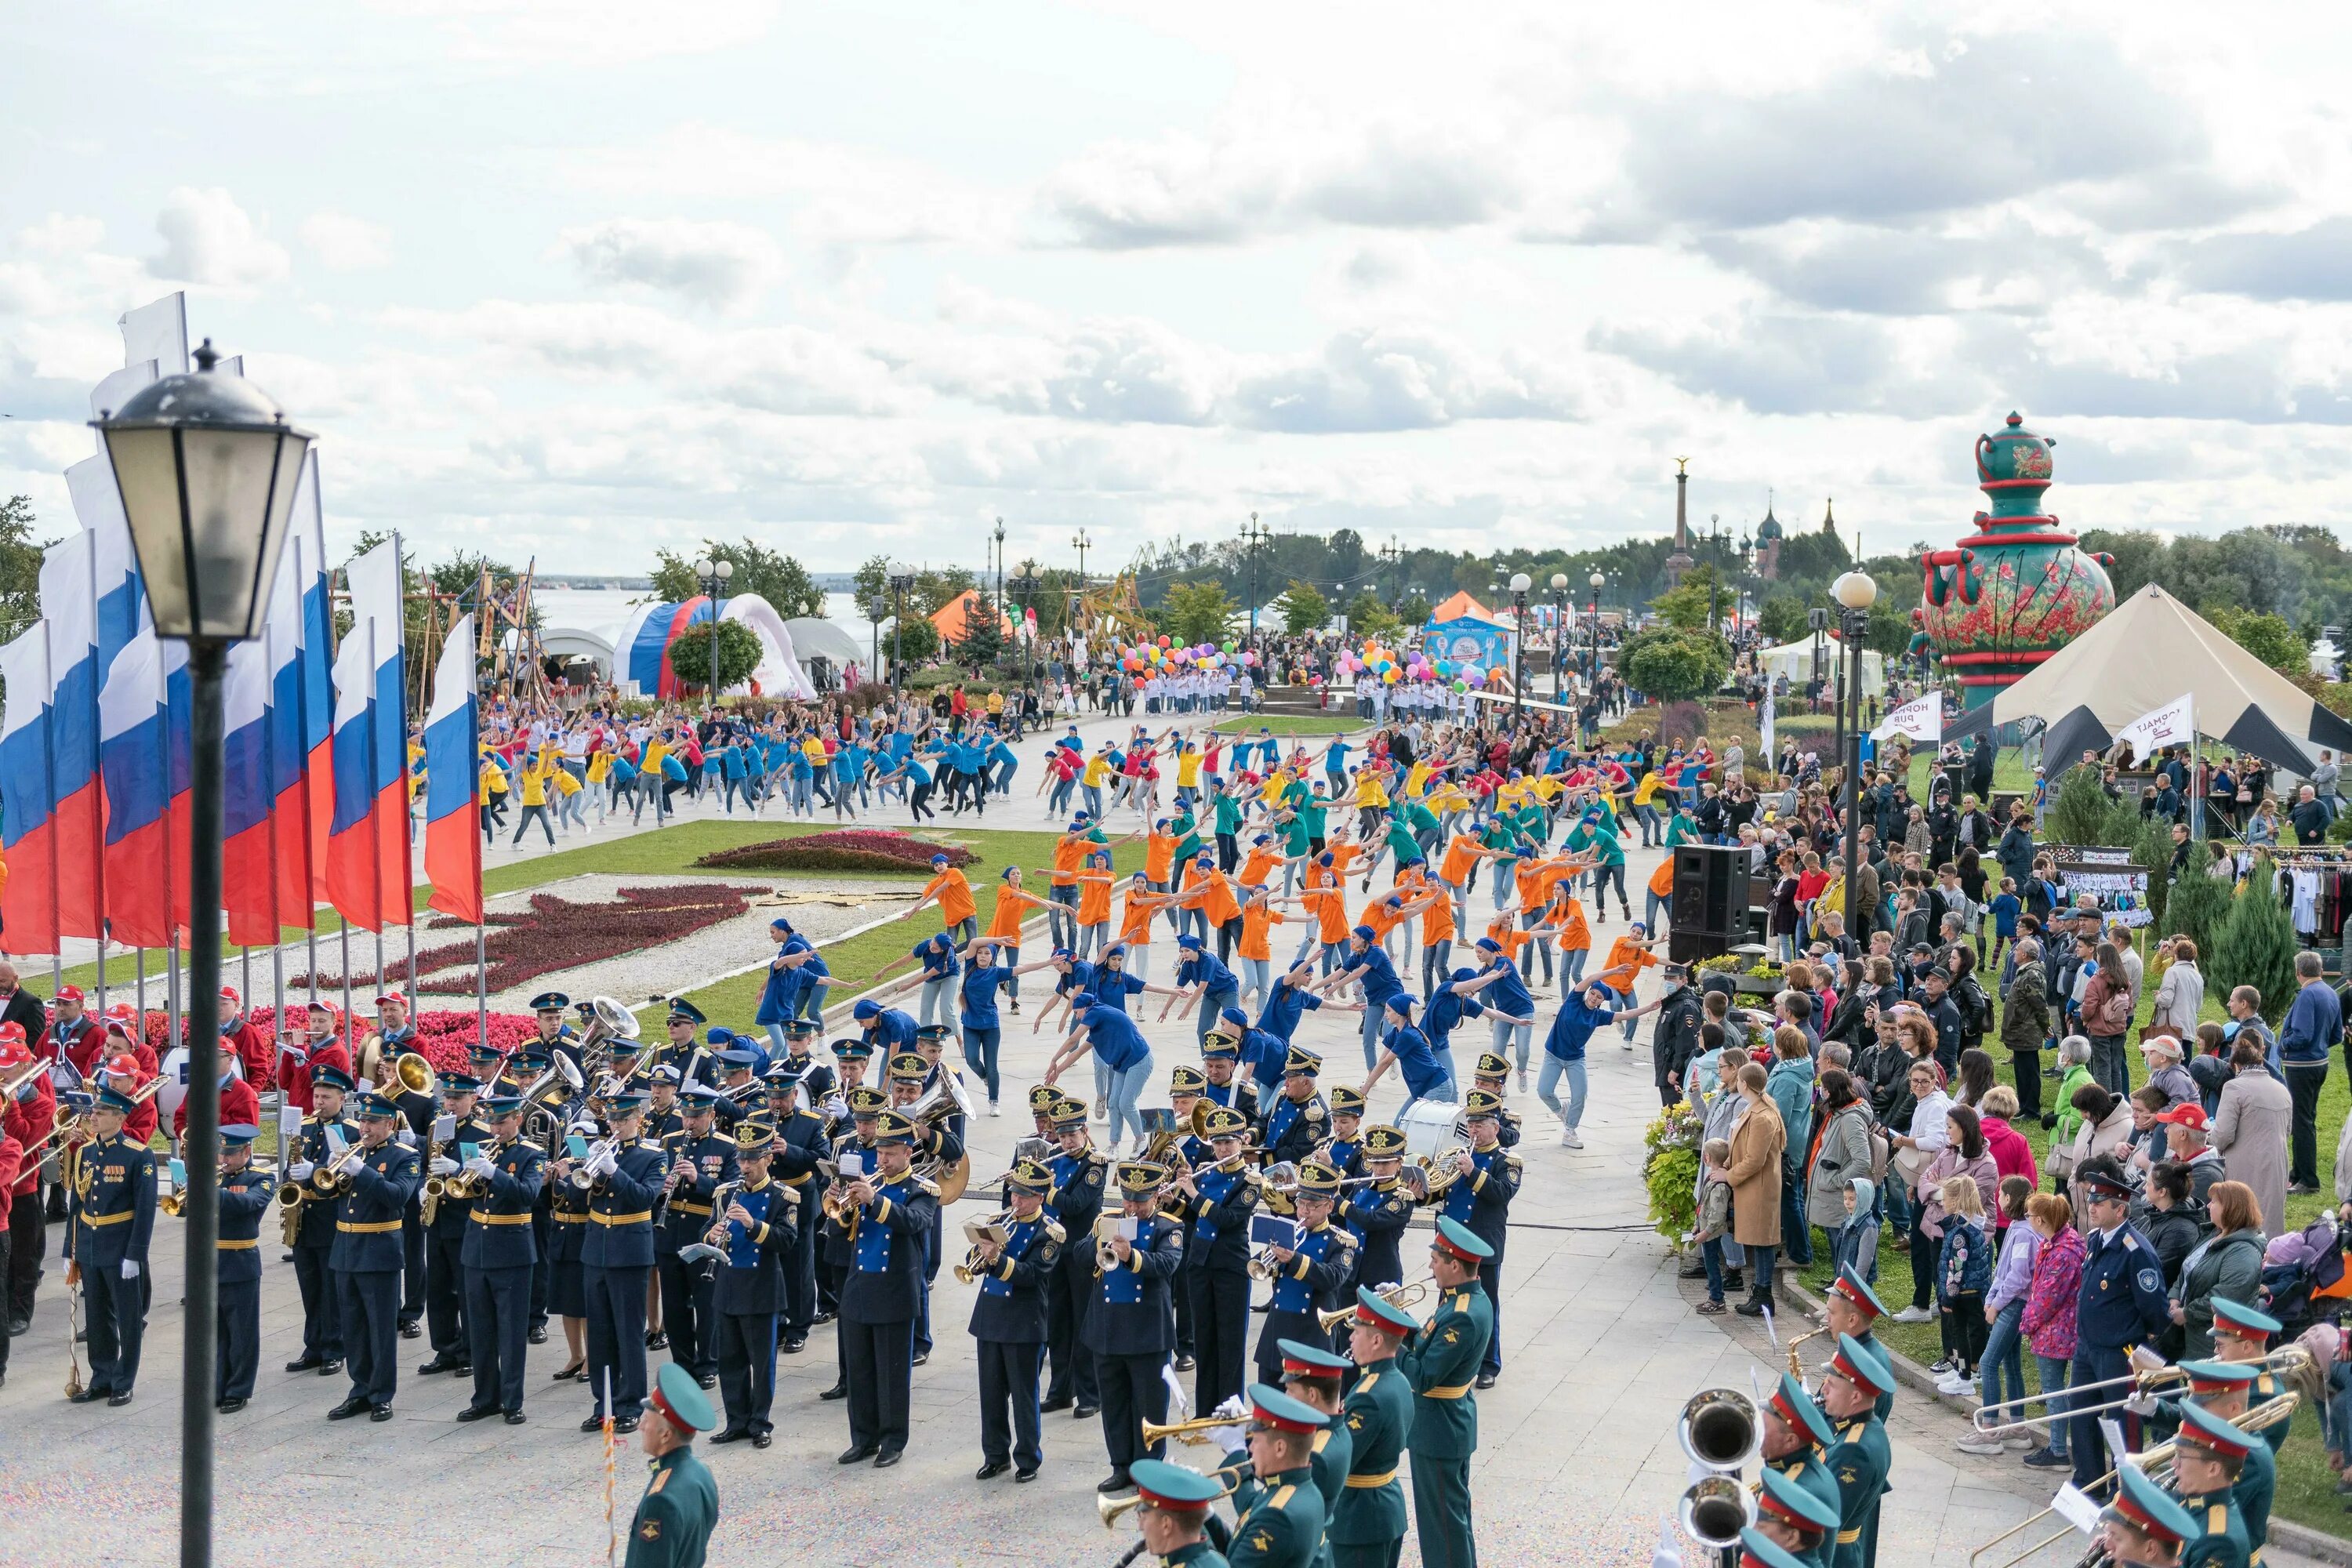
1054, 1231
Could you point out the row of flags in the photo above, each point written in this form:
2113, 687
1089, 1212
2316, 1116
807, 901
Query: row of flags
96, 734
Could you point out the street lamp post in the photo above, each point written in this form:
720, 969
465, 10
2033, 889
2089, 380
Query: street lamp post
1560, 640
1253, 539
877, 609
714, 575
1594, 675
1520, 583
901, 584
1000, 576
1855, 592
206, 465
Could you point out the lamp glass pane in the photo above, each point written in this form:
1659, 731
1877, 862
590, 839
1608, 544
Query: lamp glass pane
229, 493
147, 472
263, 569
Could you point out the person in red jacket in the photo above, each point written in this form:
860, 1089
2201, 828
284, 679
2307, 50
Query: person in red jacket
252, 1047
240, 1106
301, 1053
125, 1074
73, 1033
26, 1118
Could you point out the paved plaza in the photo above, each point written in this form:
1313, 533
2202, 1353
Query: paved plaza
1578, 1460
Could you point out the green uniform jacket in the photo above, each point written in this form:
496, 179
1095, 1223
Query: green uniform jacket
2256, 1486
675, 1516
1809, 1470
1327, 1463
1442, 1362
2223, 1544
1199, 1554
1859, 1460
1378, 1413
1282, 1525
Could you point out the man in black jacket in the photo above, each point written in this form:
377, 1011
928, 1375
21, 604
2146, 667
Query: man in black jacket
756, 1228
1008, 1320
1673, 1038
1219, 1198
881, 1293
1130, 1324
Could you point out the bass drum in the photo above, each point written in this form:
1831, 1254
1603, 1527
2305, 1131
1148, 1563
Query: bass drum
1431, 1127
173, 1071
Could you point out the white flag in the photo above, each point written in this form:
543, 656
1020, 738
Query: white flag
158, 332
1764, 742
1921, 719
2170, 725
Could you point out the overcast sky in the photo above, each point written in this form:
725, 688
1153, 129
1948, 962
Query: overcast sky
582, 278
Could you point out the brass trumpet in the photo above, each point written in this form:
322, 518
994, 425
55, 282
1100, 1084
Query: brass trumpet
970, 1268
1110, 1511
1193, 1431
1403, 1296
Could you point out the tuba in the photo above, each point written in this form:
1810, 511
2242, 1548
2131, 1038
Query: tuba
612, 1021
412, 1073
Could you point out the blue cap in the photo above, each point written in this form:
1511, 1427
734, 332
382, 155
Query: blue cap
549, 1002
1365, 933
372, 1107
461, 1083
1220, 1047
1189, 942
719, 1035
1234, 1015
622, 1104
680, 1399
865, 1010
680, 1007
239, 1135
1402, 1005
735, 1057
1082, 1001
499, 1105
327, 1075
782, 1073
701, 1096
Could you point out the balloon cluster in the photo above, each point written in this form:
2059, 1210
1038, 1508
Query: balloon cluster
1165, 656
1393, 668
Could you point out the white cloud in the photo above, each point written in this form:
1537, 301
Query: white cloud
208, 239
538, 33
346, 244
718, 265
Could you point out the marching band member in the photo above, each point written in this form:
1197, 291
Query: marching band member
74, 1036
445, 1232
300, 1056
799, 1144
616, 1259
756, 1230
675, 1518
2208, 1456
1794, 1516
890, 1213
1440, 1362
1851, 1307
1221, 1054
324, 1135
1366, 1522
699, 1160
1346, 1137
943, 1141
1313, 1377
1075, 1199
380, 1175
1860, 1457
1008, 1322
1187, 1154
815, 1077
1492, 1076
499, 1255
1309, 1274
245, 1196
737, 1089
1280, 1512
566, 1208
2123, 1303
555, 1036
2240, 1333
679, 1051
2222, 1388
521, 1071
1173, 1514
1758, 1550
2142, 1527
1298, 1121
1796, 1437
113, 1219
1219, 1197
1130, 1325
28, 1117
1377, 1210
862, 1110
239, 1105
1480, 1201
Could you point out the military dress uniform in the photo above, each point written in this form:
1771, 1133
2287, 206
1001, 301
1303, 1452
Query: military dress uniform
1130, 1325
1331, 1457
1291, 1128
1174, 1490
368, 1260
799, 1145
1859, 1459
672, 1525
1806, 1467
1216, 1268
1367, 1523
1075, 1201
1311, 1282
244, 1197
1377, 1211
113, 1216
565, 1209
2250, 1330
1008, 1322
616, 1259
1441, 1365
314, 1238
2222, 1541
2122, 1303
688, 1289
1281, 1517
1481, 1202
837, 1250
750, 1291
880, 1298
445, 1245
499, 1255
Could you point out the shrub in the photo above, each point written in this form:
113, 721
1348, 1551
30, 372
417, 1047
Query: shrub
2256, 946
1670, 1171
1680, 723
846, 849
2079, 815
2196, 905
1671, 664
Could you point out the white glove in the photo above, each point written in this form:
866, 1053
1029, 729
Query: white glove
301, 1170
1232, 1405
1231, 1439
480, 1167
444, 1166
131, 1269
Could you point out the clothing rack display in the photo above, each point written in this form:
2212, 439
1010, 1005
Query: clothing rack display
2315, 883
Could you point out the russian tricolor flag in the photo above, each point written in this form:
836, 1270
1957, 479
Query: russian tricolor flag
302, 708
367, 841
134, 747
28, 826
453, 838
69, 583
261, 745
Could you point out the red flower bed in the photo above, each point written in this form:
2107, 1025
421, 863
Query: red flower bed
555, 933
842, 849
442, 1037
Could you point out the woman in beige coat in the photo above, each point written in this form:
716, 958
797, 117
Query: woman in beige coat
1754, 1172
2250, 1131
2106, 1128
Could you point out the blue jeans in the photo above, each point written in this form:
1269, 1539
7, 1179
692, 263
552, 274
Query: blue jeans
980, 1055
1506, 1032
1571, 965
2004, 1359
1710, 1253
1554, 1070
1126, 1088
2053, 1370
1795, 1236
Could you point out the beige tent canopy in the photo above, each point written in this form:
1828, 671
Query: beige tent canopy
2145, 654
1795, 660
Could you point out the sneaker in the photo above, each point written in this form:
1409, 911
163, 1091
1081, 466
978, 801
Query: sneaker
2021, 1442
1569, 1140
1951, 1385
1711, 1309
1978, 1443
2047, 1460
1942, 1368
1915, 1315
993, 1109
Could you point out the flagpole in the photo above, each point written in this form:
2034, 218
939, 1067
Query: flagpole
142, 985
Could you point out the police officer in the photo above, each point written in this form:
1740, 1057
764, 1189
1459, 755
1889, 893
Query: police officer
1480, 1201
1008, 1321
2208, 1456
1076, 1199
1367, 1523
799, 1144
860, 1121
1376, 1211
701, 1159
616, 1257
1130, 1325
324, 1133
1297, 1119
889, 1214
755, 1230
245, 1196
444, 1231
1219, 1198
1859, 1456
1796, 1439
1309, 1272
1441, 1363
2122, 1303
679, 1509
498, 1254
378, 1176
113, 1215
1173, 1514
1280, 1513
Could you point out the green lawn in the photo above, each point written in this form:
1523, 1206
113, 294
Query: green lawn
1291, 724
2306, 1487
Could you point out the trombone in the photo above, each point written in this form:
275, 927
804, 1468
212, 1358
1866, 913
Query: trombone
1401, 1297
1110, 1511
2287, 1360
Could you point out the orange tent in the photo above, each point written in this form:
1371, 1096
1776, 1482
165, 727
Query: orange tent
953, 619
1462, 605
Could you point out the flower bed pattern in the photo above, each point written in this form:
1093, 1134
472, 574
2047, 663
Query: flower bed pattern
843, 849
442, 1037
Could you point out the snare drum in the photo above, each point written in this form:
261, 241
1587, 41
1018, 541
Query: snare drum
1431, 1127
